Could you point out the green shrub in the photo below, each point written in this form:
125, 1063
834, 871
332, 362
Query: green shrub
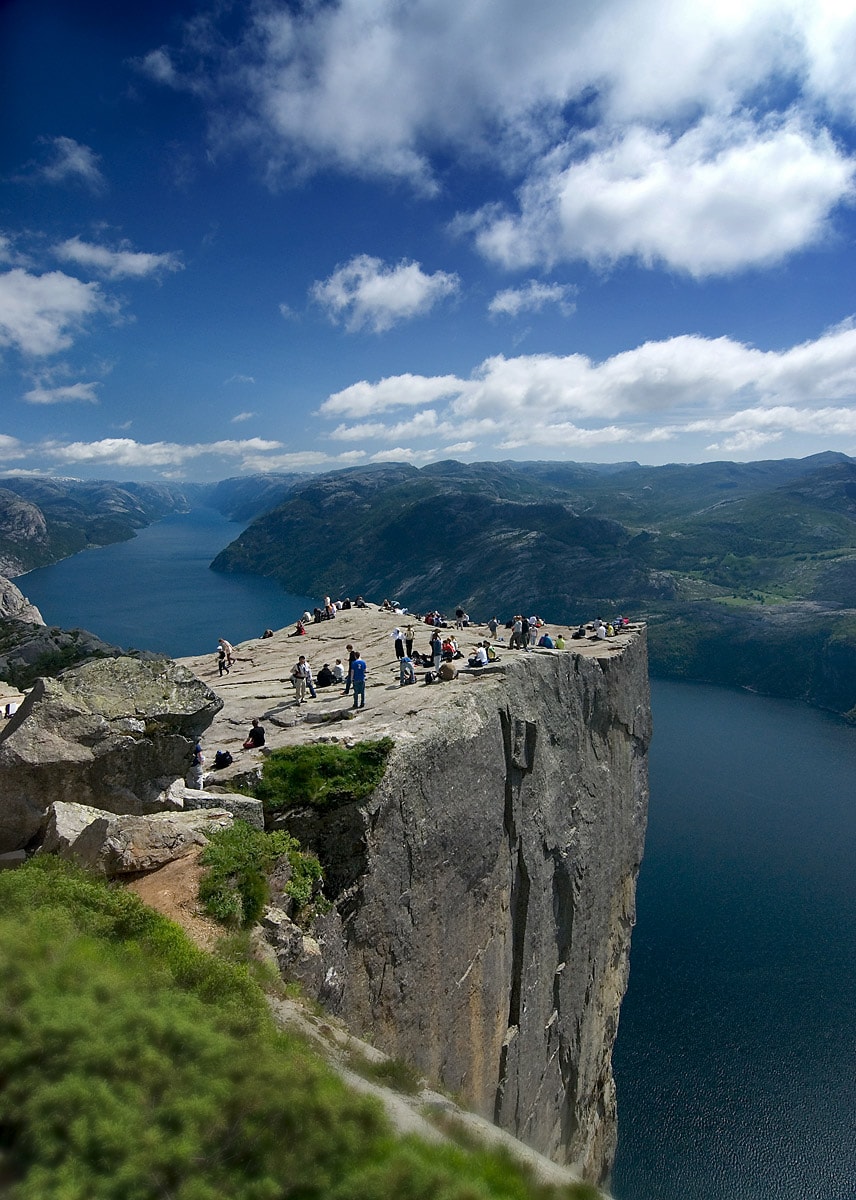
135, 1067
235, 888
322, 774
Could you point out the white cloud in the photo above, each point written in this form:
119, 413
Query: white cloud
74, 162
685, 385
366, 293
363, 398
724, 195
122, 263
238, 379
75, 392
243, 416
532, 297
125, 452
39, 314
689, 152
10, 448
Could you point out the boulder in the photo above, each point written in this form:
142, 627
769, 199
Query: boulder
128, 845
14, 604
112, 733
66, 822
242, 808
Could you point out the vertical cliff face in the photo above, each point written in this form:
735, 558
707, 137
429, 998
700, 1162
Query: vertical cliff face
487, 917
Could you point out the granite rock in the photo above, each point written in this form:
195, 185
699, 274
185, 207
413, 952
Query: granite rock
112, 733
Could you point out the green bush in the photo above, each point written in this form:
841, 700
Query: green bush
235, 887
135, 1067
322, 774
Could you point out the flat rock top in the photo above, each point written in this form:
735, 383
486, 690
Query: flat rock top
259, 684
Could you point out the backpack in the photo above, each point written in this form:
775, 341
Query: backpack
430, 677
223, 759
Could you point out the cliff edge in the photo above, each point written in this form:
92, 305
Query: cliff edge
484, 896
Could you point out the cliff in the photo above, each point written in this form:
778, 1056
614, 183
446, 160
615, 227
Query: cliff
484, 896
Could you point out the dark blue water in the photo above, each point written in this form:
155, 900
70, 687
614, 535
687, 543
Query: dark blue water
156, 592
736, 1056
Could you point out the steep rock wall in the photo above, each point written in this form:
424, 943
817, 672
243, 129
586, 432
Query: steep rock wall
486, 919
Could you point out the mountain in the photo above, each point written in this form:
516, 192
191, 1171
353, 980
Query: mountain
43, 520
756, 556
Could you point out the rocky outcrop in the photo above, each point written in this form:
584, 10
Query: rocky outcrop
114, 846
15, 605
23, 533
113, 734
485, 895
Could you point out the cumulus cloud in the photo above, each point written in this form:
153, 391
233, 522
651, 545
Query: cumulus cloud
532, 297
367, 293
654, 393
39, 314
125, 452
70, 161
121, 263
10, 448
724, 195
75, 393
364, 399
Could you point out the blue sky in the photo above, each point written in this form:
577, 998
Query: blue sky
308, 235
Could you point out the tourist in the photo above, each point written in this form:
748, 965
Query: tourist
560, 642
228, 649
222, 662
546, 641
325, 676
479, 657
447, 672
268, 633
399, 642
256, 736
352, 654
338, 672
436, 649
300, 675
358, 679
408, 641
406, 673
493, 625
197, 770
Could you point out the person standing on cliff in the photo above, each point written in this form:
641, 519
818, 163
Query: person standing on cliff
352, 654
358, 678
436, 649
408, 640
399, 642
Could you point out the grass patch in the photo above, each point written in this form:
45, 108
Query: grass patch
134, 1066
322, 774
235, 887
392, 1073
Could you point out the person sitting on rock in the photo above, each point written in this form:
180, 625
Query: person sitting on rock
479, 657
406, 673
299, 630
546, 641
338, 671
447, 672
560, 642
326, 676
256, 736
268, 633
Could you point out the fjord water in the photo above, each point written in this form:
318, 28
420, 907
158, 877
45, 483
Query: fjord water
156, 592
736, 1055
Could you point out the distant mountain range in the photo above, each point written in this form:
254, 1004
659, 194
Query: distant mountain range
746, 573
